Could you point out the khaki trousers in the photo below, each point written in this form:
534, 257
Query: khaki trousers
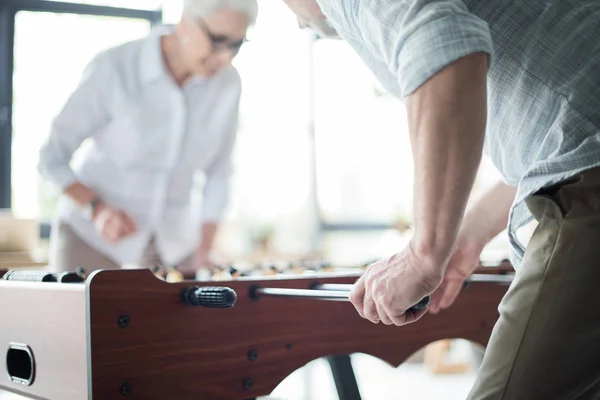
546, 342
69, 252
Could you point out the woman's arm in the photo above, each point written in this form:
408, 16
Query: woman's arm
82, 115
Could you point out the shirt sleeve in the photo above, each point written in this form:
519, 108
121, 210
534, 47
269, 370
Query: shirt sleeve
415, 39
216, 191
82, 115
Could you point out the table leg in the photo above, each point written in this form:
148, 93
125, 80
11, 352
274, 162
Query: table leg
344, 378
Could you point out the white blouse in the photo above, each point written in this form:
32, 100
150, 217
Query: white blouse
148, 140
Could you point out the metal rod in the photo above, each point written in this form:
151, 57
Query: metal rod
488, 278
507, 279
340, 295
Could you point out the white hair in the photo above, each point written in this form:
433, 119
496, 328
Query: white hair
204, 8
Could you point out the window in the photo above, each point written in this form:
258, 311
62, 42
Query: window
364, 163
363, 155
272, 182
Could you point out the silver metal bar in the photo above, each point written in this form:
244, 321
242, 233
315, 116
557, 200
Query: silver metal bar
491, 278
341, 295
331, 295
487, 278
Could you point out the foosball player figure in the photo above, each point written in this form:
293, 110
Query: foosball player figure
174, 275
81, 272
158, 271
296, 268
222, 274
325, 266
235, 273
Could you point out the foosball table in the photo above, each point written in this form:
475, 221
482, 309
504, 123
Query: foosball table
133, 334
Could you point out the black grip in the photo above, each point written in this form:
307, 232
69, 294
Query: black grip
29, 276
70, 277
421, 305
209, 296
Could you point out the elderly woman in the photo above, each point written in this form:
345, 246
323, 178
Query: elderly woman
156, 112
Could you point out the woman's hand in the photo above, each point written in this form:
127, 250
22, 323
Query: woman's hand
112, 224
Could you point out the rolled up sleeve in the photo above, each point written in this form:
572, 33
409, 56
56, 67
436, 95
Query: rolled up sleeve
217, 187
446, 36
82, 115
413, 39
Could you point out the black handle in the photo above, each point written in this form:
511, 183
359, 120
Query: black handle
41, 276
421, 305
29, 276
209, 296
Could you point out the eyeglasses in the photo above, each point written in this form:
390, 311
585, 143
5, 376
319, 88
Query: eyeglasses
221, 42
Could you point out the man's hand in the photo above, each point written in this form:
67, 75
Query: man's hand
486, 219
112, 224
463, 262
391, 286
447, 118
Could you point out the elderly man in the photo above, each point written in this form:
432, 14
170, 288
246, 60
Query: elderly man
520, 81
156, 111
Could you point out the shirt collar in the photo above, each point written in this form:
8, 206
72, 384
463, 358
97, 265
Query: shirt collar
151, 61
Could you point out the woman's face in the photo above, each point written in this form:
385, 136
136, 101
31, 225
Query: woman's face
211, 43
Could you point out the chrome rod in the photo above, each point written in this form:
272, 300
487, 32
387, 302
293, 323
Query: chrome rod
305, 293
490, 278
486, 278
316, 294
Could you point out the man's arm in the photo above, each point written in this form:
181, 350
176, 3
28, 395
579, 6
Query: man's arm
447, 119
483, 221
488, 216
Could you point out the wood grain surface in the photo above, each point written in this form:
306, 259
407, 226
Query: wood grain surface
172, 351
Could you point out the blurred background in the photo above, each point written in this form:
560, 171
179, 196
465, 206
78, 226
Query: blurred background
323, 162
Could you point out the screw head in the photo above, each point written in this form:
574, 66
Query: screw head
252, 355
124, 321
248, 383
125, 389
289, 346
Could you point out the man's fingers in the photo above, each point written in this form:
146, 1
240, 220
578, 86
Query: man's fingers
453, 288
382, 313
370, 309
436, 299
413, 316
357, 296
445, 296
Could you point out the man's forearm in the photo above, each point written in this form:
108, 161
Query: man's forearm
447, 118
488, 216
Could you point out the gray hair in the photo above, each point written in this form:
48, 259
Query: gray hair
204, 8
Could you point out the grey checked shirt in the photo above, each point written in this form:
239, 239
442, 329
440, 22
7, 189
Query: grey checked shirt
543, 82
